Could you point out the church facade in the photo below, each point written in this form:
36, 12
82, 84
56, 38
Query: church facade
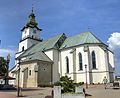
43, 62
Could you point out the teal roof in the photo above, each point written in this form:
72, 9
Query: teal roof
79, 39
42, 46
58, 42
37, 56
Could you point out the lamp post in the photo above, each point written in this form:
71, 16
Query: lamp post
86, 75
18, 87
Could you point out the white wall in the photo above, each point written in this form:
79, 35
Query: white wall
93, 75
29, 32
54, 56
111, 59
65, 53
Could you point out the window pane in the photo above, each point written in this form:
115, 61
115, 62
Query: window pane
67, 65
80, 62
93, 60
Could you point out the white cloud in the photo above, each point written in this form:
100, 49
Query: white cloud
4, 52
114, 45
114, 41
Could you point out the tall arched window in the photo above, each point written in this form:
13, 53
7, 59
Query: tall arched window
67, 64
93, 60
80, 61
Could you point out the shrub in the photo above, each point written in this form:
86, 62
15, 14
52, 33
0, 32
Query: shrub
67, 84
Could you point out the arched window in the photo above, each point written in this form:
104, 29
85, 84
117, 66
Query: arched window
23, 48
67, 64
80, 61
93, 60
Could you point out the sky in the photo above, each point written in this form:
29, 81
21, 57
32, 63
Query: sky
101, 17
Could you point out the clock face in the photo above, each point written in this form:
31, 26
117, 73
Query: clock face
34, 31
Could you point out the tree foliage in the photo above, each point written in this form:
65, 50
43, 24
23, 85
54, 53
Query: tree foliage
3, 66
68, 84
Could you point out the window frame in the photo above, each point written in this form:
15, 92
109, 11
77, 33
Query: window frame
80, 61
67, 64
93, 60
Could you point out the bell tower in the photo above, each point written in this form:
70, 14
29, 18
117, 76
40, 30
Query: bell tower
30, 33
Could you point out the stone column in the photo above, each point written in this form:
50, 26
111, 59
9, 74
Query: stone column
57, 92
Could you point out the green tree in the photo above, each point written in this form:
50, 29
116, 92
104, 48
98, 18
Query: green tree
3, 66
67, 84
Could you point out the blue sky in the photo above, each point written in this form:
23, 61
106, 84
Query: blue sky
101, 17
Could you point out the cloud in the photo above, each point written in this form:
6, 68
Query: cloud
114, 45
4, 52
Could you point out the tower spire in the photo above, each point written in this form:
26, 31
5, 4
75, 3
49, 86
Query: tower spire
32, 21
32, 8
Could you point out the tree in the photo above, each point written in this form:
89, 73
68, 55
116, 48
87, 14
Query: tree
66, 83
3, 66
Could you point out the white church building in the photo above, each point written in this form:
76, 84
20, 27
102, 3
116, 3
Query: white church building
43, 62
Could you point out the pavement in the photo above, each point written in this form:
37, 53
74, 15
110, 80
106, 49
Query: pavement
7, 95
93, 91
98, 91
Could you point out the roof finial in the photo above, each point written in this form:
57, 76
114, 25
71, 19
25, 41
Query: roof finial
32, 8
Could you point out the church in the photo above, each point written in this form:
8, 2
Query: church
43, 62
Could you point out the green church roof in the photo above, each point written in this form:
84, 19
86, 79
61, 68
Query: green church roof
43, 46
59, 42
37, 56
79, 39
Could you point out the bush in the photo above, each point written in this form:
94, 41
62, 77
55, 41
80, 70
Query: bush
67, 84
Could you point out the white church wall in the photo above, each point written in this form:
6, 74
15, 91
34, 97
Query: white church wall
81, 73
101, 64
100, 58
93, 75
64, 54
25, 33
21, 44
49, 53
54, 55
28, 32
35, 34
111, 59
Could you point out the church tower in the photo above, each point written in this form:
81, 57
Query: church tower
30, 33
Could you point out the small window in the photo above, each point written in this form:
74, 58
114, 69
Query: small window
23, 48
30, 73
67, 64
93, 60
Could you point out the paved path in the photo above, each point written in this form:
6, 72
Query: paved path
100, 92
6, 95
97, 91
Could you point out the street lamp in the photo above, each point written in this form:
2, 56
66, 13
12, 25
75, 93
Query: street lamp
86, 75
